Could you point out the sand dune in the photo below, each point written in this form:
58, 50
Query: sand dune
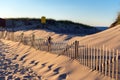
49, 66
53, 67
109, 38
9, 70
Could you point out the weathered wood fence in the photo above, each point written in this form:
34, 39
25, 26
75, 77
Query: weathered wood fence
101, 59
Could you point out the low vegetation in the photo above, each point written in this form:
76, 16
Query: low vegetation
58, 26
117, 21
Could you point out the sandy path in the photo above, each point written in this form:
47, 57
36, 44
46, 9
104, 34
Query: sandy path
14, 71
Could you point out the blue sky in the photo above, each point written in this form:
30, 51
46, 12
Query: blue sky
91, 12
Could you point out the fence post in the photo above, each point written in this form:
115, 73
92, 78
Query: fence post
12, 36
22, 34
49, 44
76, 49
2, 35
5, 33
33, 39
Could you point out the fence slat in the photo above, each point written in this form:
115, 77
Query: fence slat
86, 56
106, 60
113, 71
100, 59
89, 57
109, 64
117, 52
94, 58
102, 54
76, 49
97, 56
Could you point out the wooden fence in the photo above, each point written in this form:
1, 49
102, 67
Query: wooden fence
101, 59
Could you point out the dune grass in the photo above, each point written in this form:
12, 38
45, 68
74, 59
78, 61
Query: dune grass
117, 21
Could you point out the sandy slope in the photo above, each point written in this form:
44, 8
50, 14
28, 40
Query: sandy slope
109, 38
10, 70
44, 34
49, 66
54, 67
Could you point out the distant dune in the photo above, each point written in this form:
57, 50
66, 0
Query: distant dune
61, 26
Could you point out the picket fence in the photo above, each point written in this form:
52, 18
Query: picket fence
102, 59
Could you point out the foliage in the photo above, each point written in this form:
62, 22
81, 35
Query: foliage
117, 21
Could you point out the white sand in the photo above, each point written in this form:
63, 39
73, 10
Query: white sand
50, 66
109, 38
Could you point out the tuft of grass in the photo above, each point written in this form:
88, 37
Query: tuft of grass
117, 21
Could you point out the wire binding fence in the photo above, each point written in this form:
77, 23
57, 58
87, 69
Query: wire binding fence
101, 59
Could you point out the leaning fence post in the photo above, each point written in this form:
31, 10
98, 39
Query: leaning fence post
76, 49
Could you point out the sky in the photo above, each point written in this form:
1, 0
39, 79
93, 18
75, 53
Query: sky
90, 12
